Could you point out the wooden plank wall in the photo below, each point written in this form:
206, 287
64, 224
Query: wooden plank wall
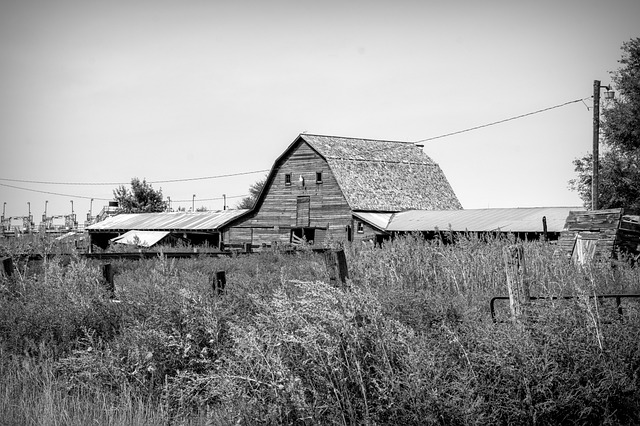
369, 233
629, 233
277, 214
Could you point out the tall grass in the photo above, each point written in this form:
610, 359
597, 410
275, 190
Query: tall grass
410, 342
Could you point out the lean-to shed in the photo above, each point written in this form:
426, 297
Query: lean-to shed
195, 228
525, 222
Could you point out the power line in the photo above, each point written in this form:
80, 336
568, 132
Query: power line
250, 172
209, 199
54, 193
126, 183
502, 121
110, 199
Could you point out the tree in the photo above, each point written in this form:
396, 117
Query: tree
254, 192
619, 171
141, 198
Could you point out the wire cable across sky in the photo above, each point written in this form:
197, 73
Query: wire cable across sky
127, 183
247, 172
503, 121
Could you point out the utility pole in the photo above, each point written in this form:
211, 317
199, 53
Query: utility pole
596, 141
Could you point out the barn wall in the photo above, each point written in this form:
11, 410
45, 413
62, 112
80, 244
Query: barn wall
276, 216
368, 233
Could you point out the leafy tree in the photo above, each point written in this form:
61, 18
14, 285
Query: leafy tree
254, 193
619, 170
141, 198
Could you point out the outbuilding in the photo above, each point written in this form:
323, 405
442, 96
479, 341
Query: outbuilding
147, 229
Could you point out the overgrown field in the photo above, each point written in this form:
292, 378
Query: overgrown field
410, 342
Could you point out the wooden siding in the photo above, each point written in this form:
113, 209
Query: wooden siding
612, 230
368, 232
278, 212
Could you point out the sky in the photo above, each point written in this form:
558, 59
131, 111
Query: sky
94, 93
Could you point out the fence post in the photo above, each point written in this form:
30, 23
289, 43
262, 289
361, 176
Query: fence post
517, 283
107, 274
336, 262
7, 266
218, 282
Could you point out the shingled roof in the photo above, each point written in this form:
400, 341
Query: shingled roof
377, 175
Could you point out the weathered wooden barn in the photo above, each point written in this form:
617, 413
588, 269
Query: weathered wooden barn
319, 183
601, 234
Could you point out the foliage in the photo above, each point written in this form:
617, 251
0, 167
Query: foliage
141, 198
619, 170
619, 179
621, 121
254, 192
410, 342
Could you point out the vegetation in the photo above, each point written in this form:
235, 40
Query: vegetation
410, 342
254, 192
141, 198
620, 127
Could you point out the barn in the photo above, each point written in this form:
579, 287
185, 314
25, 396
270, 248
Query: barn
319, 184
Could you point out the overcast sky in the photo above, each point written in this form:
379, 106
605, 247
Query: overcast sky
103, 91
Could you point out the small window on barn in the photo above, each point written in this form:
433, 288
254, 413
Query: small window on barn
318, 177
360, 228
287, 179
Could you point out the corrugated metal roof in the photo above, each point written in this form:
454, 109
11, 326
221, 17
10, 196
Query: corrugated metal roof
182, 221
480, 220
144, 238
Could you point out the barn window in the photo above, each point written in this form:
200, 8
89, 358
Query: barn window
287, 179
318, 177
360, 228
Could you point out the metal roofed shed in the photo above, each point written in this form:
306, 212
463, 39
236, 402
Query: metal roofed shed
198, 228
522, 221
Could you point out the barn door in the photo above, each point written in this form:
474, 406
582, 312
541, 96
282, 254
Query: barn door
302, 211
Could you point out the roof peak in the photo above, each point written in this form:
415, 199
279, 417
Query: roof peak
357, 139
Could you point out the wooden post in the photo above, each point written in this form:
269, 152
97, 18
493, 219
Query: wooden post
218, 282
7, 266
336, 262
545, 235
517, 283
107, 274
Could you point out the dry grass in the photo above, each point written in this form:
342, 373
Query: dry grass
411, 342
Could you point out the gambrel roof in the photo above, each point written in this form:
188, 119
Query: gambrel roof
378, 175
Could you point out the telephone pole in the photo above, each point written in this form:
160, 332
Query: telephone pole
596, 140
